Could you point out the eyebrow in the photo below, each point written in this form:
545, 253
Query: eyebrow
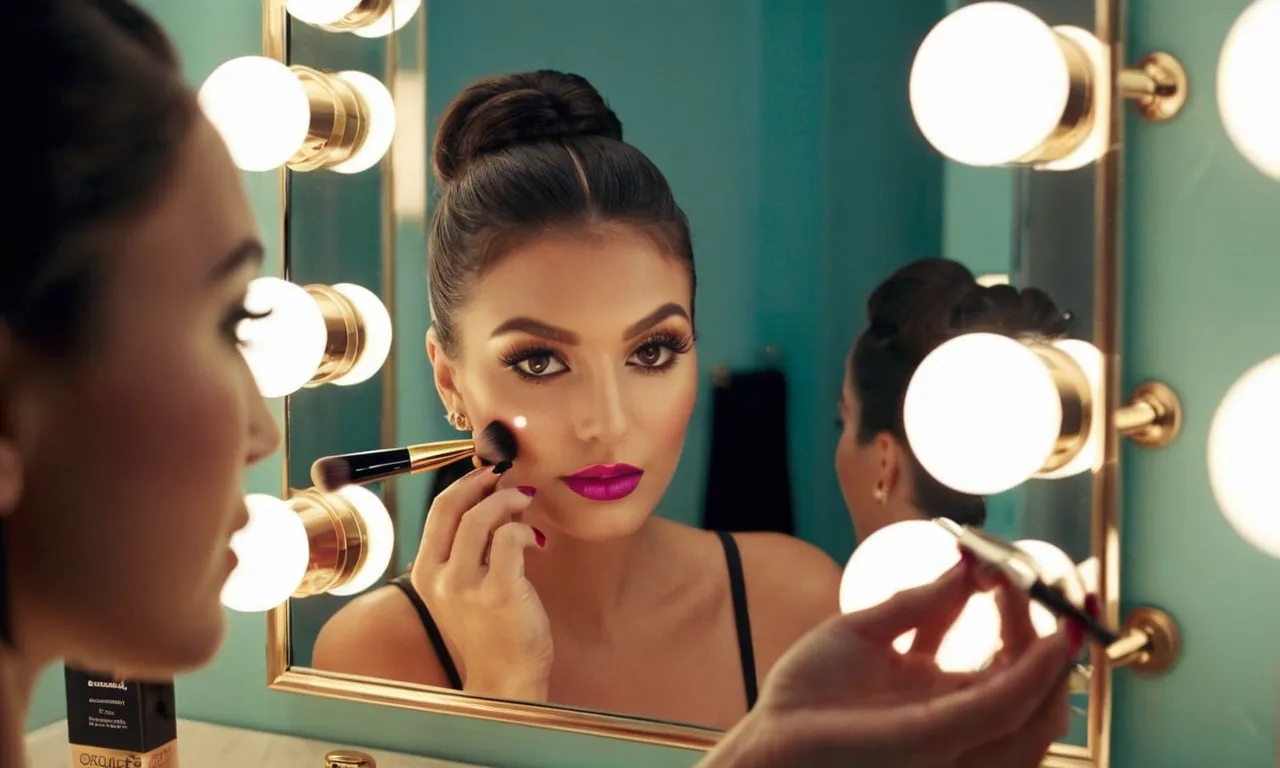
553, 333
248, 252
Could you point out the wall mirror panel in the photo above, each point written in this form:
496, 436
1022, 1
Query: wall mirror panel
797, 138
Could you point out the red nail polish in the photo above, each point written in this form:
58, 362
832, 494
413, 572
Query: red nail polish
540, 537
1075, 638
1092, 606
968, 558
527, 490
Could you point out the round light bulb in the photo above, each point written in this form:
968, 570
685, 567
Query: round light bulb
274, 552
320, 12
982, 413
1247, 69
1089, 457
911, 554
989, 84
400, 14
381, 122
987, 281
376, 341
284, 349
1056, 569
260, 108
1243, 455
380, 541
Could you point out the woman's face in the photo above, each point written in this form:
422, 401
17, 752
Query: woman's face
582, 340
131, 454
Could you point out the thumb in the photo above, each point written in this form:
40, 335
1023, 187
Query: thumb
931, 608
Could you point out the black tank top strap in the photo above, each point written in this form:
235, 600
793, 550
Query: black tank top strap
741, 617
433, 632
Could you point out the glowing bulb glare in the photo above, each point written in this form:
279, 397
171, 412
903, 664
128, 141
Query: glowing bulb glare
284, 349
989, 84
911, 554
1243, 456
260, 108
1247, 68
982, 413
273, 552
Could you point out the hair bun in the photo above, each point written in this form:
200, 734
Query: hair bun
498, 112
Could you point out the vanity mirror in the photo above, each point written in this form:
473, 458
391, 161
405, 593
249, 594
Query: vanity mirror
810, 146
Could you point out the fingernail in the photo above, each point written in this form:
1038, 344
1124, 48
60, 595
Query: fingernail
968, 558
1075, 638
501, 467
527, 490
540, 537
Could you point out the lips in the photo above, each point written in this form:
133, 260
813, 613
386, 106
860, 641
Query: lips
605, 482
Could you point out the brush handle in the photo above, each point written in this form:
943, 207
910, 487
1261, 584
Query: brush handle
370, 466
1058, 604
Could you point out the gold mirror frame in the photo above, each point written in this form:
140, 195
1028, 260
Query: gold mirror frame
282, 676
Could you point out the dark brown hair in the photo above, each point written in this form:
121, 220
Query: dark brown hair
109, 115
517, 155
917, 308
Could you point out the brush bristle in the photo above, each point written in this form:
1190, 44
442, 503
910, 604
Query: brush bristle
331, 473
496, 443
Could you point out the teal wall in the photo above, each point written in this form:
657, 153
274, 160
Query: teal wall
1201, 304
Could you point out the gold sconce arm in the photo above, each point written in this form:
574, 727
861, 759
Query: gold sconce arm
1157, 85
1153, 416
1149, 643
338, 540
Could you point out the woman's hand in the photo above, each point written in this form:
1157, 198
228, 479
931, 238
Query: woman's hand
470, 571
843, 696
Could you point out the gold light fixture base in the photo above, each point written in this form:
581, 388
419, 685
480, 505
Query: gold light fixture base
336, 537
1149, 644
1153, 417
345, 327
1157, 84
339, 120
349, 758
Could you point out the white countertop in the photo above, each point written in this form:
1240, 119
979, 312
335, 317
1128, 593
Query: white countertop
202, 745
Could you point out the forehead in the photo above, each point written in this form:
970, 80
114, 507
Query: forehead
588, 281
199, 216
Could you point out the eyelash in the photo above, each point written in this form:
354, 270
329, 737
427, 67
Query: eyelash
677, 344
231, 323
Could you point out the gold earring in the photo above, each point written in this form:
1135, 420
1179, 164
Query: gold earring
880, 494
458, 421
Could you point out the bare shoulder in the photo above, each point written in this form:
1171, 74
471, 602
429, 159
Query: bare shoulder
789, 575
792, 587
379, 634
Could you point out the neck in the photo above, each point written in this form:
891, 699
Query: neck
583, 584
17, 682
895, 511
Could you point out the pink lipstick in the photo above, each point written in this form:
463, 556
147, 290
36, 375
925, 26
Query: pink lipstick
605, 482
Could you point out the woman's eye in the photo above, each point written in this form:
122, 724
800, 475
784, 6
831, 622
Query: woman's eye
653, 356
540, 365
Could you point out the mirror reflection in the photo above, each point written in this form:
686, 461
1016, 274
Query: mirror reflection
668, 252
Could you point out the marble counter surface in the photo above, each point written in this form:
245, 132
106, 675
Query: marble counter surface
203, 745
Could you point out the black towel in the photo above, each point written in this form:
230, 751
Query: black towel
748, 479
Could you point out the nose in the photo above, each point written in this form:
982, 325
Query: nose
602, 412
264, 432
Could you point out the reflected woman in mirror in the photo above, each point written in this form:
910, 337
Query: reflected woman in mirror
562, 291
917, 308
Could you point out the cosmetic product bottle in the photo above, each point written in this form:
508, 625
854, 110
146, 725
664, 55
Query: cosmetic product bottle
114, 723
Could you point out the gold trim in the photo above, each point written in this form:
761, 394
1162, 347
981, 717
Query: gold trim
338, 540
365, 14
1075, 396
1157, 84
339, 121
346, 334
1076, 121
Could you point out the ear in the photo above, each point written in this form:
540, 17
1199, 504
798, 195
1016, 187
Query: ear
10, 459
445, 372
888, 460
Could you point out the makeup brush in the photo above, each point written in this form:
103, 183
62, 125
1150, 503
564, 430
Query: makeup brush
1022, 573
495, 444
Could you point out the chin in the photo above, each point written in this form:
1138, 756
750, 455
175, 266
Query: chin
160, 649
601, 521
